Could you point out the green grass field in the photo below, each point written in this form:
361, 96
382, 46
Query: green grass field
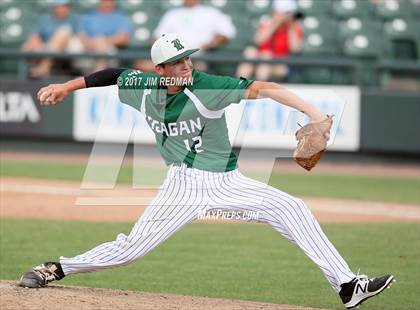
395, 189
240, 261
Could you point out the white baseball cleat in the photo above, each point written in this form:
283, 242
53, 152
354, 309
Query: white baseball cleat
361, 288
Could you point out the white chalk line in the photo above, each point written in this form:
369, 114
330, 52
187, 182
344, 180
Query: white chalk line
373, 209
143, 196
70, 191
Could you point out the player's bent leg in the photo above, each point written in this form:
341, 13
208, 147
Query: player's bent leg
177, 203
289, 216
173, 208
147, 234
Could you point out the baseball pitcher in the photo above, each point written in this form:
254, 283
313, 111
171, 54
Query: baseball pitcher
185, 110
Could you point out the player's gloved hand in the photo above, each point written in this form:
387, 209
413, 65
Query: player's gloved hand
52, 94
312, 143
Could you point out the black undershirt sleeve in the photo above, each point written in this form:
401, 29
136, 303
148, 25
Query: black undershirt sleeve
103, 78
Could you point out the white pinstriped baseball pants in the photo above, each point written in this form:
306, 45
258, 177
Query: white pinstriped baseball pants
183, 196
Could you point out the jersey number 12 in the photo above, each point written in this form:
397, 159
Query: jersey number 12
195, 147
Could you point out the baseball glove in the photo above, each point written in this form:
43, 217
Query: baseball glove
312, 143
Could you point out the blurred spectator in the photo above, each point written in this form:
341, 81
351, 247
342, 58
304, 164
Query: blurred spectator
104, 30
53, 33
202, 26
277, 36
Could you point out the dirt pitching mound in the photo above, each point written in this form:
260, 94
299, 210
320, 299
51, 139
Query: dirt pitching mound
72, 297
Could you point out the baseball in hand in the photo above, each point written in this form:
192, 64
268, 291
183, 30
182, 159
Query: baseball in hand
51, 94
43, 95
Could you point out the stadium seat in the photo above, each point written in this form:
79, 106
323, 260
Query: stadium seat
227, 6
235, 47
403, 35
318, 44
8, 67
365, 51
129, 5
16, 15
11, 14
342, 76
7, 3
44, 5
237, 44
363, 46
133, 5
13, 34
85, 5
327, 27
169, 4
399, 28
315, 7
349, 8
393, 8
143, 17
259, 7
242, 38
323, 75
317, 75
320, 36
142, 36
352, 26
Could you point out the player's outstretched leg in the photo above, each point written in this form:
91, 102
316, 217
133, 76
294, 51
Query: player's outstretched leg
178, 202
290, 216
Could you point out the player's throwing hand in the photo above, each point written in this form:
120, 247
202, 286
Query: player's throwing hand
52, 94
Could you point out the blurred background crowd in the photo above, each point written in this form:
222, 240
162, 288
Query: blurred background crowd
275, 36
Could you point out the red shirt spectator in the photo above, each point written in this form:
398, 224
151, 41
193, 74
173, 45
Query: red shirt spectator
278, 45
277, 36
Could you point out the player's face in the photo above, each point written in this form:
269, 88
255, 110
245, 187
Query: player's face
180, 68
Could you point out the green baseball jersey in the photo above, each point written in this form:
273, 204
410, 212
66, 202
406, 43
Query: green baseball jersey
189, 126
